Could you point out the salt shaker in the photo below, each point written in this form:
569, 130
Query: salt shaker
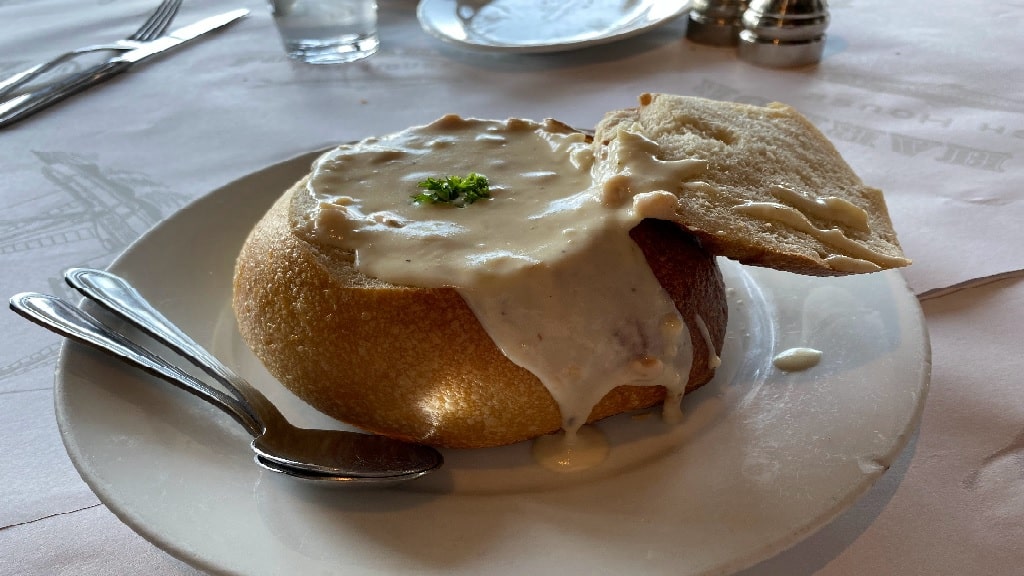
783, 33
715, 22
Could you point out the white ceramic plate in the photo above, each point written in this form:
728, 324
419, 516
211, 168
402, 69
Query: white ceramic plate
543, 25
762, 459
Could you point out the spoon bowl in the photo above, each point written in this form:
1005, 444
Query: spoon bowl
352, 455
332, 480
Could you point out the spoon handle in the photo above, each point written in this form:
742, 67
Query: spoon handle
118, 296
67, 320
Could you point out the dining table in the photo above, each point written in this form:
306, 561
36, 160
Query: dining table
154, 172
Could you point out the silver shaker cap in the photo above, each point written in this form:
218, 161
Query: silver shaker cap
783, 33
715, 22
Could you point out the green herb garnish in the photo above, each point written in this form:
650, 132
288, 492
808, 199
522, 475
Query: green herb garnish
454, 190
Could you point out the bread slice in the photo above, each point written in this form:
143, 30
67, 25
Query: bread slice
759, 156
351, 345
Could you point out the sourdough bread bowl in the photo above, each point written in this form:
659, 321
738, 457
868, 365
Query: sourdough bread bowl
416, 363
351, 345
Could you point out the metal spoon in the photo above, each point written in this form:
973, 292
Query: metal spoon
334, 453
281, 447
334, 456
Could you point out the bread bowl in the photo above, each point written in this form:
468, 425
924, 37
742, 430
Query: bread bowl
425, 355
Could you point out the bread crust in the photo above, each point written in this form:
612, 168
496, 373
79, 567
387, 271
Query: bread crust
749, 150
360, 349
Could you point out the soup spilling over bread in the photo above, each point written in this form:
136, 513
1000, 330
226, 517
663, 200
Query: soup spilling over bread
473, 283
545, 262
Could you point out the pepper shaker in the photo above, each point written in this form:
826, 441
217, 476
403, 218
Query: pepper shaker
783, 33
715, 22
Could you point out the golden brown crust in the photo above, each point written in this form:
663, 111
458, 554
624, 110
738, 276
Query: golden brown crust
366, 352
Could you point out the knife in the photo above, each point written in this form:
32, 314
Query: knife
25, 105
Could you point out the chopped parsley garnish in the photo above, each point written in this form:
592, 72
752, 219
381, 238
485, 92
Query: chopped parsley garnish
454, 190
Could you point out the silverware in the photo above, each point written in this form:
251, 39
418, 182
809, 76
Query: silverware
29, 103
333, 456
152, 28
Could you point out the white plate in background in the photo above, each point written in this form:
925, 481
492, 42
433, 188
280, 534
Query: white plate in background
543, 25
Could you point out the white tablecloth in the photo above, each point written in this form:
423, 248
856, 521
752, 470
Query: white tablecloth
924, 99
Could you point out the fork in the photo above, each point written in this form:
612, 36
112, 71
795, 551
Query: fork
151, 29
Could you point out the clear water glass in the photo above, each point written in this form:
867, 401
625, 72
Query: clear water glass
327, 31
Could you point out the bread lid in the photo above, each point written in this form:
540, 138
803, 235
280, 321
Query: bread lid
776, 193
